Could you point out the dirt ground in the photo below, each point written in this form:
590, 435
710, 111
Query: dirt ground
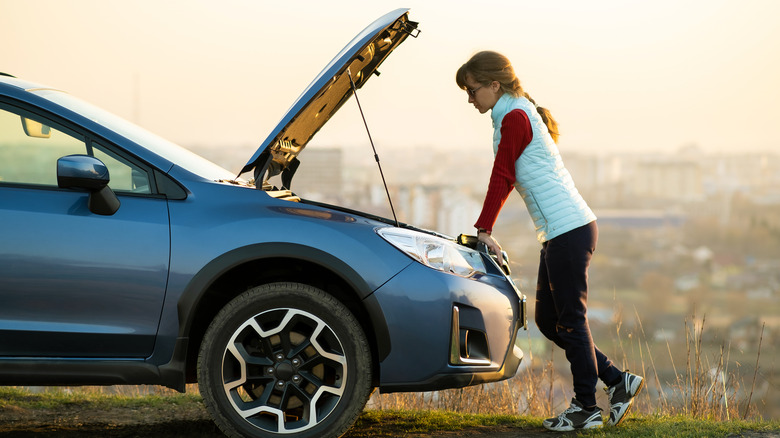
190, 421
193, 422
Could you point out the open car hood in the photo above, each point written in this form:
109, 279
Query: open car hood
326, 94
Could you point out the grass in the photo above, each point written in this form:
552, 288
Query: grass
376, 423
708, 393
383, 423
92, 397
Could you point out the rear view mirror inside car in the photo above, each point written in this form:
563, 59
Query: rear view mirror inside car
35, 129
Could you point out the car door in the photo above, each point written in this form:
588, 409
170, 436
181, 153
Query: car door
74, 283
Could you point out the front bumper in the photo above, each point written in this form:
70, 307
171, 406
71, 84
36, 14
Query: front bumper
447, 331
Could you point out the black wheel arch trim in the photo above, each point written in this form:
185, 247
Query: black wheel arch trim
214, 270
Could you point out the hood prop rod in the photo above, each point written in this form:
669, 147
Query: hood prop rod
376, 156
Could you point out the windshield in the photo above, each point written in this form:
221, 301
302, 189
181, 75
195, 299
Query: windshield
164, 148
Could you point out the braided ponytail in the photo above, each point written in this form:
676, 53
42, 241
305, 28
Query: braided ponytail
547, 118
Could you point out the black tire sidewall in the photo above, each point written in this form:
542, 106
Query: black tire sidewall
293, 296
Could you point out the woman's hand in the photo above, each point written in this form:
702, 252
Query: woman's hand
492, 245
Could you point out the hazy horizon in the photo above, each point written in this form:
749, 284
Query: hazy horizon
618, 76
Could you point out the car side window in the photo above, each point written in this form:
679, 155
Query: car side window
125, 176
30, 147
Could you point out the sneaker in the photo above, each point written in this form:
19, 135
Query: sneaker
621, 396
575, 417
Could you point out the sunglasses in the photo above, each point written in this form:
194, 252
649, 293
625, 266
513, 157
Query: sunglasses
472, 92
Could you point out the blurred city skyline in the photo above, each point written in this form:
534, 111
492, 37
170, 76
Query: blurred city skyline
618, 76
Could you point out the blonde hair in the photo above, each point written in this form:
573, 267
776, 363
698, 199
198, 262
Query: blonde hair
487, 66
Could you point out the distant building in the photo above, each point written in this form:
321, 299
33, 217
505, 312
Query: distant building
320, 172
667, 179
639, 218
448, 210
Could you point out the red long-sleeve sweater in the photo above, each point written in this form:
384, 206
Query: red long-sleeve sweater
516, 134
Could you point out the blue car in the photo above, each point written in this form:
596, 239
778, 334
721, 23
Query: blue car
126, 259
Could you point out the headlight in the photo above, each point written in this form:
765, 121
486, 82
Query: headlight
435, 252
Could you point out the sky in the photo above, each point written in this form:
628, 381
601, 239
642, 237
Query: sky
618, 75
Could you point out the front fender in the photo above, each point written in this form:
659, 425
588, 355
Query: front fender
218, 267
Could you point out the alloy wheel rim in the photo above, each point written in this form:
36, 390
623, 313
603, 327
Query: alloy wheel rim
284, 370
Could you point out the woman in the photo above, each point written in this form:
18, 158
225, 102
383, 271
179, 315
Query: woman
527, 158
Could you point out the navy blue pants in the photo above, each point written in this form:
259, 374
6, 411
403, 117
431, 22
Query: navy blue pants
562, 307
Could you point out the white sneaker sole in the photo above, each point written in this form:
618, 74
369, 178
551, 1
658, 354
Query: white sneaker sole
624, 408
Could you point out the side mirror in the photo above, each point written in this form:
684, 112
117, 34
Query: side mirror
88, 173
35, 129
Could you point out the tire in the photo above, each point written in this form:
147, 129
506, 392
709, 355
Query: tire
284, 360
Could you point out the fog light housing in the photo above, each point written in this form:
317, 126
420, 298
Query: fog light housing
468, 346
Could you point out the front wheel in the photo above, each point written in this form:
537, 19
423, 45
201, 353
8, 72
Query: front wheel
284, 359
